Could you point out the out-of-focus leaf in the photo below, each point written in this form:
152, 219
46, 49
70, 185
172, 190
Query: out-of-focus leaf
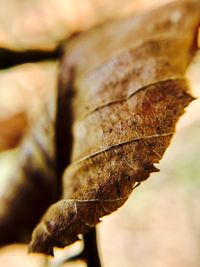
128, 91
24, 89
42, 24
32, 185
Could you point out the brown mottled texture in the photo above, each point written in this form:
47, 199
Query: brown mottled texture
128, 93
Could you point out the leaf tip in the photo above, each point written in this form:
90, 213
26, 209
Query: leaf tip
41, 243
40, 248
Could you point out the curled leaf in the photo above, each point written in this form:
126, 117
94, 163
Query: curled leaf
128, 91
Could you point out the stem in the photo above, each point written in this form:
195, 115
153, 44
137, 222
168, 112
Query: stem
90, 251
89, 254
10, 58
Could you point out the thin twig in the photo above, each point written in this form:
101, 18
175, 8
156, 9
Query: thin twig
90, 251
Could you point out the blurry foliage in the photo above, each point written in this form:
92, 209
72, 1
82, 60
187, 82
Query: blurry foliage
24, 90
42, 24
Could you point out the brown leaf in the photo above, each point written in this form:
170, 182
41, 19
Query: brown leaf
128, 93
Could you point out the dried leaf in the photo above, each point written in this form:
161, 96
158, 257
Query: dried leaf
128, 93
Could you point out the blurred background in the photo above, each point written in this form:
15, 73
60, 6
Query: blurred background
159, 226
